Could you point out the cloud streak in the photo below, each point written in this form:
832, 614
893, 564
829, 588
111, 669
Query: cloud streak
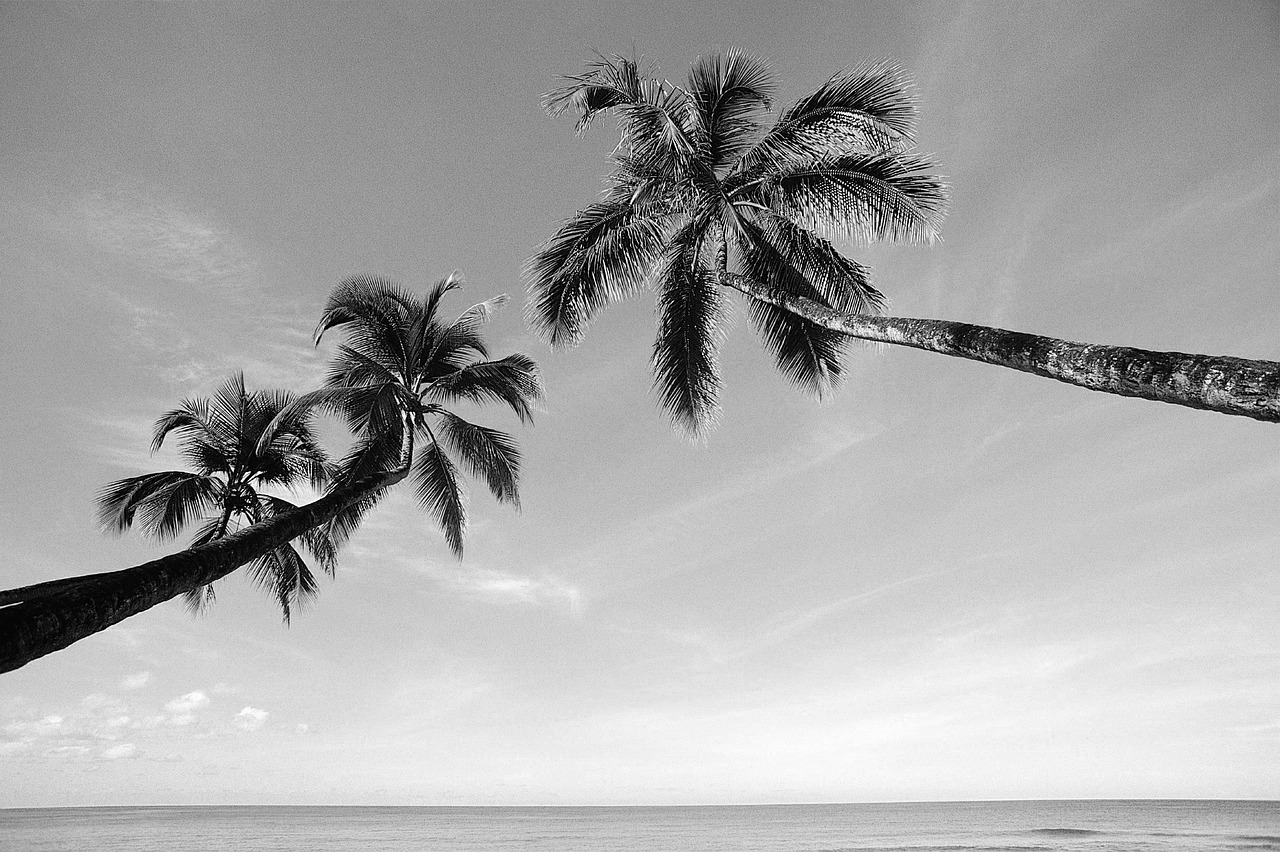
160, 239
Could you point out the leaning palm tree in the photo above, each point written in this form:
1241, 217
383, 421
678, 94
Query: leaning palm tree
391, 382
238, 445
392, 379
703, 199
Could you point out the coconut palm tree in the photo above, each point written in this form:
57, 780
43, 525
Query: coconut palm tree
392, 379
703, 199
238, 444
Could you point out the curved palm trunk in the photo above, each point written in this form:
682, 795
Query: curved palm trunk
47, 617
1240, 386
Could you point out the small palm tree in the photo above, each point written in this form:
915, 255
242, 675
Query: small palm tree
391, 380
704, 198
238, 444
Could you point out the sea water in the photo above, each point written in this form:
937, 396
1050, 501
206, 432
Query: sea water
1065, 826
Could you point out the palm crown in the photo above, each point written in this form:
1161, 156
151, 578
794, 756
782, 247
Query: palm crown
701, 194
237, 444
391, 381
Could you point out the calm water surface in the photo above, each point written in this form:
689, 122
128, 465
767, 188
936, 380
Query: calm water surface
1091, 826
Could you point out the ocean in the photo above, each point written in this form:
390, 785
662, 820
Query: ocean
1064, 826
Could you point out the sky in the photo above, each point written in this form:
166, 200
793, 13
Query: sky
946, 581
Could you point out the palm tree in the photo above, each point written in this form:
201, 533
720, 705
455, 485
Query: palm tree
703, 198
391, 382
400, 367
238, 444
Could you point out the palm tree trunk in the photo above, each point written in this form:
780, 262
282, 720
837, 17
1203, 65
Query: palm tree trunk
47, 617
1225, 384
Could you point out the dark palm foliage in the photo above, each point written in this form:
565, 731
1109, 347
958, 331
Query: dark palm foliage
237, 444
400, 366
703, 196
392, 379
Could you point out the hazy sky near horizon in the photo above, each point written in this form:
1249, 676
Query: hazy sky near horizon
947, 581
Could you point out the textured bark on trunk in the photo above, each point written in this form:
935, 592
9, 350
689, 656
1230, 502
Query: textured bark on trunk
1241, 386
46, 617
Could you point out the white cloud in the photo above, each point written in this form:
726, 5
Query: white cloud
117, 752
250, 719
181, 710
187, 703
136, 681
500, 585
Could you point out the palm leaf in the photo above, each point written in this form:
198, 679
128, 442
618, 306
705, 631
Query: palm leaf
660, 128
440, 493
778, 246
374, 312
861, 197
608, 82
199, 599
488, 454
729, 90
513, 380
284, 574
316, 539
161, 503
869, 108
690, 315
603, 254
193, 420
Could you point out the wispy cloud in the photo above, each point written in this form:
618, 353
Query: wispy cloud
825, 441
160, 238
502, 586
122, 750
391, 537
136, 681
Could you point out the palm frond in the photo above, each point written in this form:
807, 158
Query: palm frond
372, 453
316, 539
730, 90
209, 531
373, 311
862, 197
161, 503
455, 344
870, 108
513, 380
193, 420
430, 305
486, 453
661, 128
605, 253
807, 354
365, 408
350, 366
608, 82
783, 257
199, 599
777, 246
287, 450
690, 317
438, 490
284, 574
